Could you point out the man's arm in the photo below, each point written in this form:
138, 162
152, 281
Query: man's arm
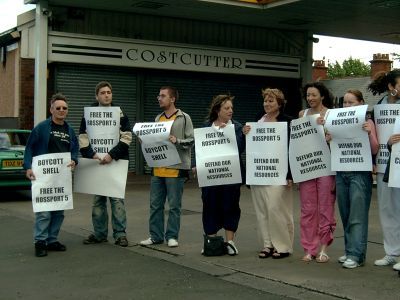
74, 146
28, 154
84, 144
120, 151
188, 139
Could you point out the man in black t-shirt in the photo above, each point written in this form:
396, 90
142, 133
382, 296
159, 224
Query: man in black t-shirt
53, 135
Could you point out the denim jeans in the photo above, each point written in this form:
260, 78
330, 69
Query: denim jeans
47, 225
100, 217
163, 188
354, 197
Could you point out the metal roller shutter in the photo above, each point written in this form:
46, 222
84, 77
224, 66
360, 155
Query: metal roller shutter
197, 90
78, 83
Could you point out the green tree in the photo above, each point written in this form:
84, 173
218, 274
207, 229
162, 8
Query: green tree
351, 67
335, 71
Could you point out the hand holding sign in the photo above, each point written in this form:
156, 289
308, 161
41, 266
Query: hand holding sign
52, 187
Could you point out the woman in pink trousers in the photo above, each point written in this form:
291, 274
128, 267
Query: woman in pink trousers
317, 196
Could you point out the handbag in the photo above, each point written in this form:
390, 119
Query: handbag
214, 246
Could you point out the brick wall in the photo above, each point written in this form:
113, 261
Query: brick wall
26, 108
319, 70
7, 85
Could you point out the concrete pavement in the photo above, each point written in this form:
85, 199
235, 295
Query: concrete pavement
287, 277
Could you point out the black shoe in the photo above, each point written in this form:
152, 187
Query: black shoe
122, 241
40, 249
92, 239
56, 246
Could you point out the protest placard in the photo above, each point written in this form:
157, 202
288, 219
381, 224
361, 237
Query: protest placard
394, 174
157, 150
385, 117
309, 155
52, 188
106, 180
102, 126
217, 156
267, 153
350, 146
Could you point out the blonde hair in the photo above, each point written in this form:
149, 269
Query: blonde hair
275, 93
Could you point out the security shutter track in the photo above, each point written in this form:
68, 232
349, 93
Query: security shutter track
78, 83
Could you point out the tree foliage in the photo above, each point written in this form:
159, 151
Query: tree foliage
350, 67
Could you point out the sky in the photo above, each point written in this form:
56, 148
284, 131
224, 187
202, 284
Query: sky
328, 48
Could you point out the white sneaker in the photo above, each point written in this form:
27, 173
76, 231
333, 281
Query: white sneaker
147, 242
386, 261
342, 259
350, 264
232, 250
396, 267
172, 243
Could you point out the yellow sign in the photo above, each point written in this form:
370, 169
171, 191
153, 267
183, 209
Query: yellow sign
9, 164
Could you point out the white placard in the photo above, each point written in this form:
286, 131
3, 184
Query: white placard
102, 126
394, 172
385, 116
267, 153
105, 180
157, 150
345, 122
217, 156
52, 188
309, 155
350, 146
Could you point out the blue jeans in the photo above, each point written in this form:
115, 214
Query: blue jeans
163, 188
353, 191
100, 217
47, 225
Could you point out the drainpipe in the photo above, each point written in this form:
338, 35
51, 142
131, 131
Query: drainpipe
41, 37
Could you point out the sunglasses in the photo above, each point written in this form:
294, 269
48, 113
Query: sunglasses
62, 107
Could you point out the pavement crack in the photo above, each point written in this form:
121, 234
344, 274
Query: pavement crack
305, 288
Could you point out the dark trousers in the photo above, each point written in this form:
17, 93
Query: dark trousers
220, 208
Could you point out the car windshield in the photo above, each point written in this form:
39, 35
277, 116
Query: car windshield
9, 140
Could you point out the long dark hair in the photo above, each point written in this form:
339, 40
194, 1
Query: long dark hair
382, 79
327, 101
216, 104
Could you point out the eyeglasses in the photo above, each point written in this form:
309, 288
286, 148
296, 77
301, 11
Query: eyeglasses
62, 108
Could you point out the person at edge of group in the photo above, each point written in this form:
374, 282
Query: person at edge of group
273, 204
388, 197
53, 135
104, 97
354, 191
221, 203
317, 196
167, 182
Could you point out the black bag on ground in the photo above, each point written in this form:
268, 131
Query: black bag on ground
214, 246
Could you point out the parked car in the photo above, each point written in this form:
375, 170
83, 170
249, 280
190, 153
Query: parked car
12, 148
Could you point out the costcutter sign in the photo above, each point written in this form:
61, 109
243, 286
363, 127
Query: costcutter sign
143, 54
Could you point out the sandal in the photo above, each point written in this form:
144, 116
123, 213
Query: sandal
322, 257
278, 255
308, 257
265, 253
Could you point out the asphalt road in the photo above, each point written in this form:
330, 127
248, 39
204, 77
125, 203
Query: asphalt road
101, 271
158, 272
